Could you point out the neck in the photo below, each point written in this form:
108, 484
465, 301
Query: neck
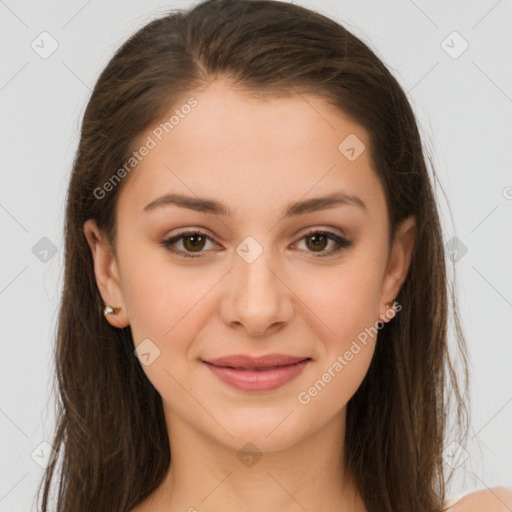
208, 476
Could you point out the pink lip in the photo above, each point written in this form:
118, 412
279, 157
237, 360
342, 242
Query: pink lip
274, 371
243, 361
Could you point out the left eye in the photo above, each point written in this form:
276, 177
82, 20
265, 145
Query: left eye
319, 239
194, 241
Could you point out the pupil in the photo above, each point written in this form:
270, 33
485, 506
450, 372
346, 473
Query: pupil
317, 237
194, 244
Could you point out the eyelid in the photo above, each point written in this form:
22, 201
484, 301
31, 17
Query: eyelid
323, 229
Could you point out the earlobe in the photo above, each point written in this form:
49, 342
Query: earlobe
399, 261
106, 273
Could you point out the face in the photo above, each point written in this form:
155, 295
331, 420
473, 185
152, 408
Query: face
263, 270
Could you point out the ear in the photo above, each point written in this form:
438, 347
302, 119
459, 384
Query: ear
107, 273
398, 264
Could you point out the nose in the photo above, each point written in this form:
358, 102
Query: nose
257, 298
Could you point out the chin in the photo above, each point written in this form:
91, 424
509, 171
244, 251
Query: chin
267, 432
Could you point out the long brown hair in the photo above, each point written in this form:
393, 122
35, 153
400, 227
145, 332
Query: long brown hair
111, 442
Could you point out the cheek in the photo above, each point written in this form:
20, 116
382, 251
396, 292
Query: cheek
168, 305
157, 294
166, 309
345, 299
166, 313
346, 312
343, 311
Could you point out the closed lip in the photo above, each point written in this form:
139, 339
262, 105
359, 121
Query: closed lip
243, 361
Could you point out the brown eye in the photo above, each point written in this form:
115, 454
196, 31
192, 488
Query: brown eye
317, 241
192, 242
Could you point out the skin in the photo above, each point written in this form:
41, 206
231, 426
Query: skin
496, 499
255, 156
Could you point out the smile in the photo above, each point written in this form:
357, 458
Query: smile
258, 379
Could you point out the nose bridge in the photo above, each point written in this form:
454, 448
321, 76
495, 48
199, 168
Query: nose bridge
257, 276
254, 271
259, 298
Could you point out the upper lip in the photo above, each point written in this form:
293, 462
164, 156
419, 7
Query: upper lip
245, 361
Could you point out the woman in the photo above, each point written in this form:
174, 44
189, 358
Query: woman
254, 314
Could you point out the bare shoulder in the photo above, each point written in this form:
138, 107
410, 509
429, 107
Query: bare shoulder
495, 499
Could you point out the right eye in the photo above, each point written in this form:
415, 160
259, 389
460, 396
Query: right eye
190, 240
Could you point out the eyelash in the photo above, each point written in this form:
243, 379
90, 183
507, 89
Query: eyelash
342, 242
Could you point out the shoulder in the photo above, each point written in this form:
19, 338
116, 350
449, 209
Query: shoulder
495, 499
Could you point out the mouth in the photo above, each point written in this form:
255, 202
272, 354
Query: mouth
245, 362
257, 374
256, 369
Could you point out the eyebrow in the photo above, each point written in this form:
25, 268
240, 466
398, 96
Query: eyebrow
206, 205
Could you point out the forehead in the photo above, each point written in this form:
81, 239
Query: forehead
247, 151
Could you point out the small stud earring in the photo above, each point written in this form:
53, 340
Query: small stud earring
109, 310
393, 305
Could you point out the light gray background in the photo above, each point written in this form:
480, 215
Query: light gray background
464, 105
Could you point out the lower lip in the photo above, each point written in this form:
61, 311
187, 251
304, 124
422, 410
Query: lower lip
261, 380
